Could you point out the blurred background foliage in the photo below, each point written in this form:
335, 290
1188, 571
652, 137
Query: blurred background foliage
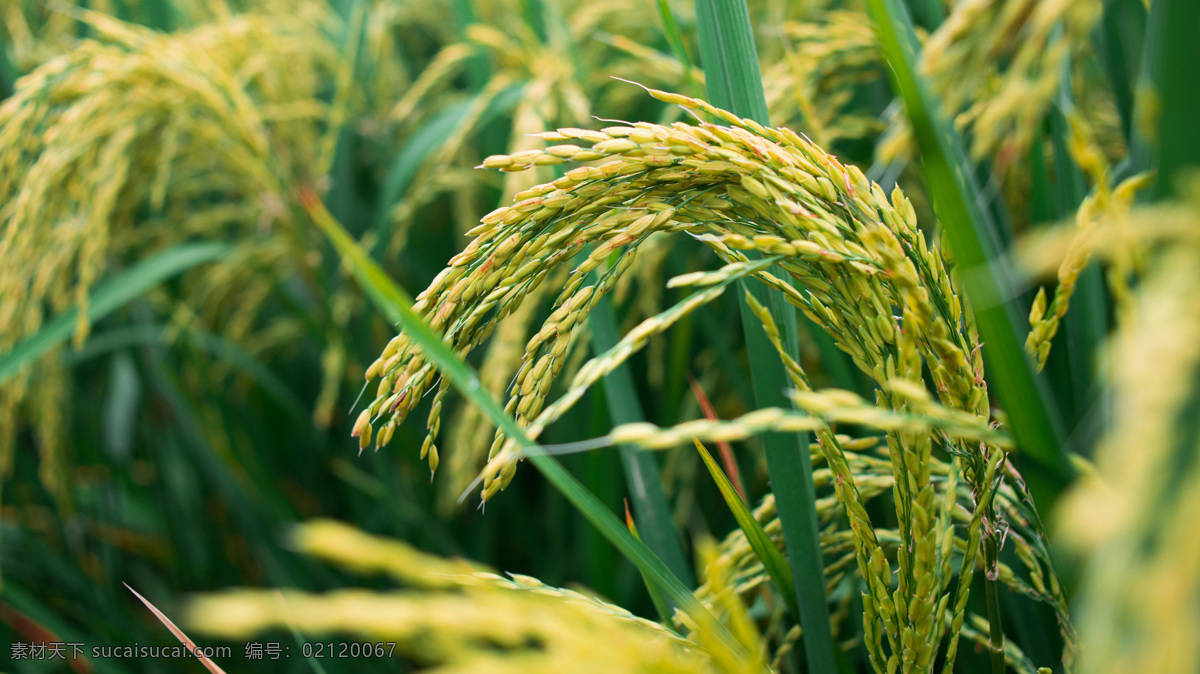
171, 441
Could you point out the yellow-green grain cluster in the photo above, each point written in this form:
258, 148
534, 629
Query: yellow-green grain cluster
135, 140
997, 67
813, 85
1105, 203
873, 476
757, 197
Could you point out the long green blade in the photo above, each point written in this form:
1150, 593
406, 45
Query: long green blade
397, 306
1120, 39
1174, 64
735, 83
109, 296
756, 536
145, 335
1085, 325
7, 76
1028, 402
656, 598
675, 39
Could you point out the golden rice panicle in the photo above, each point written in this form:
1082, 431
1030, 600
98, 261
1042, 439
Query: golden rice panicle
856, 257
813, 86
770, 179
345, 546
103, 144
538, 72
873, 477
471, 433
997, 66
455, 615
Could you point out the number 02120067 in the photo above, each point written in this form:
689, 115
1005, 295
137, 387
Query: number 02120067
351, 649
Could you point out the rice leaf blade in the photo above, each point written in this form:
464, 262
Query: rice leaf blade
1085, 324
642, 472
424, 142
179, 634
675, 39
7, 76
656, 597
1178, 104
1120, 37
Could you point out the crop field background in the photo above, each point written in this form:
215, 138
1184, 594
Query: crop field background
510, 336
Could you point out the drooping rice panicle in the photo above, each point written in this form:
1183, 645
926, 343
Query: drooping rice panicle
859, 260
100, 146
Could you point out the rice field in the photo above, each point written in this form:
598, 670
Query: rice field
643, 336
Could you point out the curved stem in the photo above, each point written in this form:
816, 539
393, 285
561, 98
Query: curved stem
995, 630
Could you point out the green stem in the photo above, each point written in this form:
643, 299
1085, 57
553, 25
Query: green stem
995, 629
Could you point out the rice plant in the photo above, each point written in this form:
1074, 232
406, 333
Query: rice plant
922, 273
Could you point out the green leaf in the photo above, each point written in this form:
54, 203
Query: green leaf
927, 13
1175, 98
730, 58
258, 371
27, 602
1085, 325
656, 597
7, 76
109, 296
1002, 326
735, 84
675, 39
397, 307
1120, 40
756, 536
121, 401
478, 70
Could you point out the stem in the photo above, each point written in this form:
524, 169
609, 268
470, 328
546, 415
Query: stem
995, 629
